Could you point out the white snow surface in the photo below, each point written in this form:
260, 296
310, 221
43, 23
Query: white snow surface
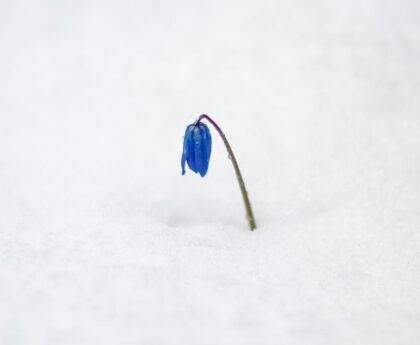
102, 241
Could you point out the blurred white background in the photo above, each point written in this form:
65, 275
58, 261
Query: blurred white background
102, 241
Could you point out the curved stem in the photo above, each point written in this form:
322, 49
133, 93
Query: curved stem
248, 208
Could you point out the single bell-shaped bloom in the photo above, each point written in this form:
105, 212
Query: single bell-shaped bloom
197, 148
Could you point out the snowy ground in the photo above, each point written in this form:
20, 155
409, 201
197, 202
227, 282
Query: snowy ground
102, 241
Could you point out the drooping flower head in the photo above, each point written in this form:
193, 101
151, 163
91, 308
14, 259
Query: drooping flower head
197, 148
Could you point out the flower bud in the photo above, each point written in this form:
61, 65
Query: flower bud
197, 148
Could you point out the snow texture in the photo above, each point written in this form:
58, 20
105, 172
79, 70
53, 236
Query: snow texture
102, 241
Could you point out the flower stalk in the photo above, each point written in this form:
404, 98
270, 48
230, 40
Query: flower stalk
249, 213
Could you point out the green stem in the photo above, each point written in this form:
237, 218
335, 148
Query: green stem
248, 208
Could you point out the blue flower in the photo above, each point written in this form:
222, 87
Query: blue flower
197, 148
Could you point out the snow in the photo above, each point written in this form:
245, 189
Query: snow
102, 241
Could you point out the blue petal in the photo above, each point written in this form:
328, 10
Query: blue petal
203, 149
190, 142
185, 150
183, 159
